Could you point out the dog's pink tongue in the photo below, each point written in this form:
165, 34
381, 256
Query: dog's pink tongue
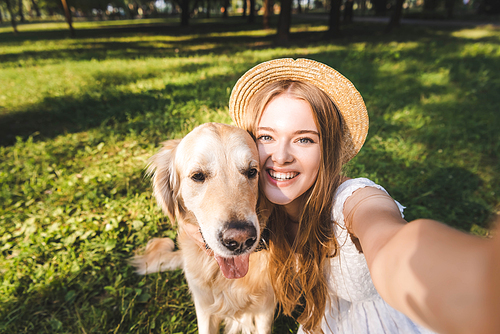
234, 267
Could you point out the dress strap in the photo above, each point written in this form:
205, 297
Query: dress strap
346, 189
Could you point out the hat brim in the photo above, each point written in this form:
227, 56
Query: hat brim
342, 92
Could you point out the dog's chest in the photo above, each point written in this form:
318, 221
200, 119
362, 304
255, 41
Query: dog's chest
229, 295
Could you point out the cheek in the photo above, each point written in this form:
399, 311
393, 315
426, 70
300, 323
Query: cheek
312, 162
262, 156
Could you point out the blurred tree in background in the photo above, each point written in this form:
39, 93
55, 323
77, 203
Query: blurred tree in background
35, 10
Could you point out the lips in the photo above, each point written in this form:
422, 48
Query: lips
281, 176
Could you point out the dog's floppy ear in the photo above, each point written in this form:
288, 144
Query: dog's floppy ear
164, 178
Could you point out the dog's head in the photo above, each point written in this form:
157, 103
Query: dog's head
211, 175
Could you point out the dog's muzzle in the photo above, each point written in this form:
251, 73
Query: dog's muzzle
263, 241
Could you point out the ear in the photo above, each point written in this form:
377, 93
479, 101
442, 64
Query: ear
161, 169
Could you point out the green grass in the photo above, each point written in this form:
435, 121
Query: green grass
79, 119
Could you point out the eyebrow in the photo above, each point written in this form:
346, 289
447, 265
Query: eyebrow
299, 132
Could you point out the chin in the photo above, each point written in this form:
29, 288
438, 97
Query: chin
277, 198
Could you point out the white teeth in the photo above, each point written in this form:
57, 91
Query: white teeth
282, 176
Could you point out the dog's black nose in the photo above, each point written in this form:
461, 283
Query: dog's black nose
238, 236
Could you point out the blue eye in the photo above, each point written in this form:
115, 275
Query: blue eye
265, 137
306, 141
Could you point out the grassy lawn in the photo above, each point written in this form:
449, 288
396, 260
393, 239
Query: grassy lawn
79, 119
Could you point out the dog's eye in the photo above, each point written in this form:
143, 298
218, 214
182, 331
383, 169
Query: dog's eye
252, 172
198, 177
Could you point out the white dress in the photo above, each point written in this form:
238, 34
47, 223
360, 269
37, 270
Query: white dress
357, 307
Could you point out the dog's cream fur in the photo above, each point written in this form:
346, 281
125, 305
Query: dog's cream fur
225, 156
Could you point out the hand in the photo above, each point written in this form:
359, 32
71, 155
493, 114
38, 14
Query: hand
194, 233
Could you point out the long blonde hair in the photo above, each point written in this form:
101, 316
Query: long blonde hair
297, 268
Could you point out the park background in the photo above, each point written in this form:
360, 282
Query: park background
83, 109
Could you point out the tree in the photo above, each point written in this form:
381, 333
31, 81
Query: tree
67, 14
396, 16
488, 7
348, 10
185, 13
362, 5
251, 15
449, 5
194, 8
21, 11
334, 20
226, 8
430, 5
284, 21
12, 16
37, 9
380, 7
268, 10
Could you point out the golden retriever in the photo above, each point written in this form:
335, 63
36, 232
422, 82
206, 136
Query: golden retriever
209, 179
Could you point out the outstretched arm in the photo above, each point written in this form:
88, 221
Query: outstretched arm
440, 277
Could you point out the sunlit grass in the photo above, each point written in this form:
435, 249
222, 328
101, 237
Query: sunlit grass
478, 33
79, 119
77, 24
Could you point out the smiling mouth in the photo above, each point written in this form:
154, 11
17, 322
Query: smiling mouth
281, 176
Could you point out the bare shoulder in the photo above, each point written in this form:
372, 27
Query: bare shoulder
366, 197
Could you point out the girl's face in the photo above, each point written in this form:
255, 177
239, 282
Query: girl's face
289, 150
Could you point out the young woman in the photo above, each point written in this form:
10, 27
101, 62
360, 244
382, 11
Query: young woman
340, 248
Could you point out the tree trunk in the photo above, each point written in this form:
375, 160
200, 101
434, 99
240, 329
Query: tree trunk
208, 9
449, 5
1, 17
226, 7
21, 11
251, 15
396, 16
363, 7
245, 5
12, 16
265, 17
284, 21
348, 11
430, 5
299, 7
195, 7
37, 9
334, 21
67, 13
380, 7
184, 12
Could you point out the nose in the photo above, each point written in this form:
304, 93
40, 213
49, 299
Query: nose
282, 154
238, 236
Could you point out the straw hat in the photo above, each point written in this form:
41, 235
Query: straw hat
343, 93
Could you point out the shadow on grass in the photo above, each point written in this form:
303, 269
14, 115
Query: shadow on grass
98, 29
467, 118
455, 113
382, 91
201, 39
428, 189
100, 297
105, 106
